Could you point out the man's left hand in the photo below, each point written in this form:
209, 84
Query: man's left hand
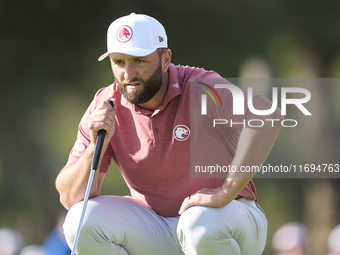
206, 197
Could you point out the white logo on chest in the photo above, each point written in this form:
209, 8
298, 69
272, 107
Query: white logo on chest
181, 132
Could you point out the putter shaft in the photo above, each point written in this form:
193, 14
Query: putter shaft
86, 199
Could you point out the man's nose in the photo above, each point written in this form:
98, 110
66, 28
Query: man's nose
129, 72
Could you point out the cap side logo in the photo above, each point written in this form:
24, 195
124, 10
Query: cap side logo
181, 133
124, 34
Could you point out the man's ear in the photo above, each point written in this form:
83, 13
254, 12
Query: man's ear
166, 60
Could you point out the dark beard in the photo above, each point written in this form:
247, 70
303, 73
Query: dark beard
150, 88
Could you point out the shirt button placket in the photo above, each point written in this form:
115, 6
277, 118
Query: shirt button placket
153, 130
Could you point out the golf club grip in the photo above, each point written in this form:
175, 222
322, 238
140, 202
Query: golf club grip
99, 144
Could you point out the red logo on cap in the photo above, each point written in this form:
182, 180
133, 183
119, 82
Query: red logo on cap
124, 34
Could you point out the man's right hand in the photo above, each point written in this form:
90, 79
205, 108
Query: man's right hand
103, 117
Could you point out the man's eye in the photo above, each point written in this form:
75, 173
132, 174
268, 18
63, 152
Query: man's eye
119, 62
139, 61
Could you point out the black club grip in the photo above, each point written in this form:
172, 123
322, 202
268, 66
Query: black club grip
99, 144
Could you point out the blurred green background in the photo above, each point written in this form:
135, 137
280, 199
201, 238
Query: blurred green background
49, 74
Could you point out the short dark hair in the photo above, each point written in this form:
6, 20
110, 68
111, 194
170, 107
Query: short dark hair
160, 51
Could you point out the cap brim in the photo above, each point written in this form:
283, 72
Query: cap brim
137, 52
103, 56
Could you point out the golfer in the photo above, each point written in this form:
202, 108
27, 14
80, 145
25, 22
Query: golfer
148, 137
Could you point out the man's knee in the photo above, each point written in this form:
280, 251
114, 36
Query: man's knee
72, 223
94, 227
235, 227
197, 231
199, 220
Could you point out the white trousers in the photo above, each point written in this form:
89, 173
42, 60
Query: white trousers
123, 225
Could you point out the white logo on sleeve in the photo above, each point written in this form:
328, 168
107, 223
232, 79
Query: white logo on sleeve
79, 146
181, 132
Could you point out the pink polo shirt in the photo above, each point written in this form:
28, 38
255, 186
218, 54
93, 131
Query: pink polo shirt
153, 163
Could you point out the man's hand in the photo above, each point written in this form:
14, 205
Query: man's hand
206, 197
103, 117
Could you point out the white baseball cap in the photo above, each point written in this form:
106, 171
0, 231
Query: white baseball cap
135, 34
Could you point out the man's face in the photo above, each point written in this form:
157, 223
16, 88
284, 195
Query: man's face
139, 78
